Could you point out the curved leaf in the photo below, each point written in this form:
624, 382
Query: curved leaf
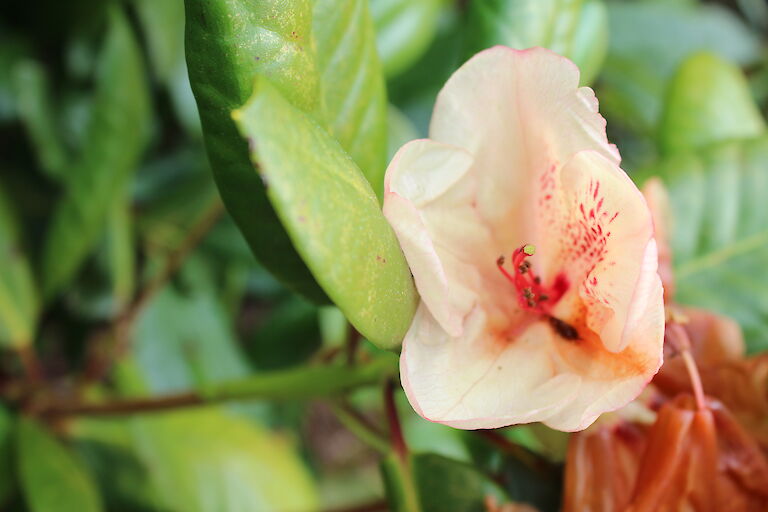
332, 216
115, 140
404, 30
577, 29
353, 92
19, 305
206, 460
708, 101
228, 43
720, 225
51, 477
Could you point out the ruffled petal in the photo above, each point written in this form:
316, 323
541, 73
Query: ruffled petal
429, 201
519, 113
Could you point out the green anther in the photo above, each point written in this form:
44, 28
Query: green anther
529, 249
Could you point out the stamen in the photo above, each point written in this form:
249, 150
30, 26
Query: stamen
530, 293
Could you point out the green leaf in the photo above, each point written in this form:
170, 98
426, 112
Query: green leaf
708, 101
206, 460
334, 77
433, 483
332, 216
106, 447
352, 84
577, 29
100, 174
404, 30
36, 112
163, 24
648, 42
720, 231
51, 477
105, 290
19, 305
227, 43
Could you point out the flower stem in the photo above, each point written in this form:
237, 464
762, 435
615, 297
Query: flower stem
395, 430
360, 427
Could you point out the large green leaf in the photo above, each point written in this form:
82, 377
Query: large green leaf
332, 216
708, 101
720, 231
227, 43
206, 460
335, 77
51, 477
114, 143
352, 84
404, 30
648, 42
577, 29
433, 483
19, 305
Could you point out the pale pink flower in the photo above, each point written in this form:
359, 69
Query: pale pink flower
518, 159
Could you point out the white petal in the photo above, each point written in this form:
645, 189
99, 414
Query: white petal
519, 113
429, 201
483, 378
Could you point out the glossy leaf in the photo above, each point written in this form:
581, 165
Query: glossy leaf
577, 29
332, 216
720, 231
404, 30
207, 460
51, 477
352, 84
433, 483
19, 305
114, 143
648, 42
227, 43
708, 101
36, 112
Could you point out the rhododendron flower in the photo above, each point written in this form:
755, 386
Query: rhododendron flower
569, 322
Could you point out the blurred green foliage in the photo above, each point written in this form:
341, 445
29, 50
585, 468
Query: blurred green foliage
124, 278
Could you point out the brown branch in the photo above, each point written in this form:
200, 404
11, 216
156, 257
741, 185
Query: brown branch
109, 345
127, 407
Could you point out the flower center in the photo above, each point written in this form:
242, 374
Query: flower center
532, 295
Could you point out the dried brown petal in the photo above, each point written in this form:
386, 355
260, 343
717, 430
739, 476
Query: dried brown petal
601, 467
714, 339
